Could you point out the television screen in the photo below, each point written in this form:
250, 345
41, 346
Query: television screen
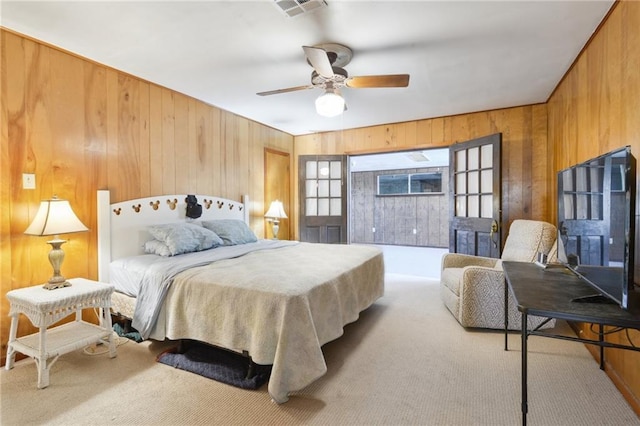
596, 223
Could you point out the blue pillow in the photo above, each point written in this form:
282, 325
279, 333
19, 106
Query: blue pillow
232, 231
179, 238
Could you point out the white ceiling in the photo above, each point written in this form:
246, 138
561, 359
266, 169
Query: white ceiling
400, 160
462, 56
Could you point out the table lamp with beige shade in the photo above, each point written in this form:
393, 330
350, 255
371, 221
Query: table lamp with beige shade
55, 217
274, 214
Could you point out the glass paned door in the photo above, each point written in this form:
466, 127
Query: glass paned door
322, 198
475, 192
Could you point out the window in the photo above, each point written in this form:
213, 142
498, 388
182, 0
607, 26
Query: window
425, 182
410, 183
323, 183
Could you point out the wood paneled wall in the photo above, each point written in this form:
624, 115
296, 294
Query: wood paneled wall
525, 184
80, 126
594, 110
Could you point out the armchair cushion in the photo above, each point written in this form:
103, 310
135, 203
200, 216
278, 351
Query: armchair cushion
451, 278
527, 238
457, 260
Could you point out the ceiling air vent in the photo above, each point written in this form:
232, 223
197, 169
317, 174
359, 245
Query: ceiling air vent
418, 156
298, 7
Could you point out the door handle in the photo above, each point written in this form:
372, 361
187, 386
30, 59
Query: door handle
494, 230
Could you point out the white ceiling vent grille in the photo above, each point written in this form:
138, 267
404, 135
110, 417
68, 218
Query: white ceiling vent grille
418, 156
298, 7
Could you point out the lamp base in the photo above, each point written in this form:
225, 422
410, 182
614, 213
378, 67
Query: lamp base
54, 285
56, 256
276, 228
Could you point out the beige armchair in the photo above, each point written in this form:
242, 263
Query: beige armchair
472, 287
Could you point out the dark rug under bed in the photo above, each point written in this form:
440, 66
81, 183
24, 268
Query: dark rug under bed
217, 364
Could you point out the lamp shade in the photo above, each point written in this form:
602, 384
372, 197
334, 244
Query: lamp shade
276, 210
55, 217
330, 103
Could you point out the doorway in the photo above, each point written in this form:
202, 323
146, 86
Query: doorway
400, 198
276, 187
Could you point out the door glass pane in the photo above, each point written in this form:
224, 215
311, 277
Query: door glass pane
486, 151
567, 182
461, 183
312, 207
461, 207
486, 206
312, 168
474, 184
323, 188
336, 170
335, 207
581, 205
581, 179
335, 188
461, 161
596, 179
473, 206
474, 158
312, 188
323, 169
323, 207
486, 181
569, 207
582, 182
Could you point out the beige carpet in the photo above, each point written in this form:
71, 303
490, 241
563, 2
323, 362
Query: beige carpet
406, 361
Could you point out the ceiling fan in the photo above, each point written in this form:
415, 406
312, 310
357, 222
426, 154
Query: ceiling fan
327, 61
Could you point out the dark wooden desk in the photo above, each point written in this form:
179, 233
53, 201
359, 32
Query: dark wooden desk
549, 293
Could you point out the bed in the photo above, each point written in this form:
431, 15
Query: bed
277, 301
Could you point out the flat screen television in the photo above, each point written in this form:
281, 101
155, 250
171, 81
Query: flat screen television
596, 201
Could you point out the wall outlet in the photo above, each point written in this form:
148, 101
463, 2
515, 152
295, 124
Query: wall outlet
28, 181
373, 229
415, 231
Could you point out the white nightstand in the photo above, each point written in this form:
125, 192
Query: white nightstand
46, 307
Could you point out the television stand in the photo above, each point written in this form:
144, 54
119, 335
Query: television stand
547, 293
594, 298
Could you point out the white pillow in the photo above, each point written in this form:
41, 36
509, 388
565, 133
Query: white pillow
232, 231
178, 238
157, 247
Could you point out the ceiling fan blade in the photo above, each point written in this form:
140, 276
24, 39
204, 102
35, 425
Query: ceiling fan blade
365, 81
319, 61
289, 89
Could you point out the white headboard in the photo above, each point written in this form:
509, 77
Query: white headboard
122, 227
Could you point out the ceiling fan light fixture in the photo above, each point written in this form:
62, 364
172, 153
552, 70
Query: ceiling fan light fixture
330, 103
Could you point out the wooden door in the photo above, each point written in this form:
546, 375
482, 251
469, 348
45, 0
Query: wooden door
475, 197
277, 186
323, 198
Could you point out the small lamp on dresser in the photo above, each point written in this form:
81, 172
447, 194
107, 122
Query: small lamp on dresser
274, 214
55, 217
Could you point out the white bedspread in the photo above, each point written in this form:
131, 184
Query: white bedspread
149, 277
280, 305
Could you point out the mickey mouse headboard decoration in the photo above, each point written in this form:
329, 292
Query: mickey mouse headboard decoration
194, 210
